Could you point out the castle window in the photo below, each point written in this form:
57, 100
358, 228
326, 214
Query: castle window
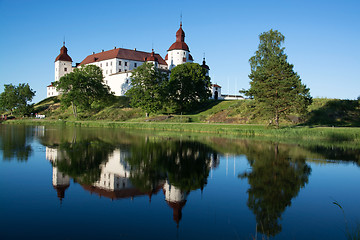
110, 70
110, 63
65, 69
119, 70
125, 63
106, 64
100, 64
135, 64
120, 63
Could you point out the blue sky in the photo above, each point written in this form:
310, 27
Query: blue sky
321, 37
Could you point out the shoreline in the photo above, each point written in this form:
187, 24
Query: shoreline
334, 134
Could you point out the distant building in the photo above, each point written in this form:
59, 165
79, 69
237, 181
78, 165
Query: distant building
215, 91
117, 64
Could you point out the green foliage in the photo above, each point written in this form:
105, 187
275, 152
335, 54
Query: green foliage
275, 179
274, 85
188, 86
82, 87
16, 98
148, 88
334, 112
183, 163
81, 159
14, 142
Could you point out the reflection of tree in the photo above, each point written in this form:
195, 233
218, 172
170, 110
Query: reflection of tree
274, 180
14, 142
81, 159
185, 164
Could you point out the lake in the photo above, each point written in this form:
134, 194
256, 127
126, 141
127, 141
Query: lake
92, 183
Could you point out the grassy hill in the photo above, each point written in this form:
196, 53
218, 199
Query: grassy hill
322, 112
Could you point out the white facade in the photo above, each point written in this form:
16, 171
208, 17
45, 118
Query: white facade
232, 97
215, 92
62, 68
173, 194
117, 64
115, 173
177, 57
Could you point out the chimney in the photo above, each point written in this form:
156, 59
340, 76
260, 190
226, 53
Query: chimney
93, 52
114, 47
102, 50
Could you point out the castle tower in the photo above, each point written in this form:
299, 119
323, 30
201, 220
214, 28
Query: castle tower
176, 199
61, 182
152, 59
63, 65
206, 67
179, 52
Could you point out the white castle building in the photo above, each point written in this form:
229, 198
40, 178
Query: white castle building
117, 64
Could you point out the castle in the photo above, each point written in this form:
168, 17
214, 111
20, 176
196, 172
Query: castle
117, 64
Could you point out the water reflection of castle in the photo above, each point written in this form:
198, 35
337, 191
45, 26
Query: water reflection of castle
114, 182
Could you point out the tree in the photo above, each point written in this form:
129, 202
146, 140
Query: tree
147, 88
16, 98
276, 177
274, 85
188, 86
82, 87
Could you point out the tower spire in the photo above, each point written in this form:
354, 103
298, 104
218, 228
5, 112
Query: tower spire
64, 41
181, 19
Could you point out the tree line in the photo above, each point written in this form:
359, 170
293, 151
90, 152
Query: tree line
276, 88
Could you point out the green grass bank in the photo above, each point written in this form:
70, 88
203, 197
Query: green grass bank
303, 133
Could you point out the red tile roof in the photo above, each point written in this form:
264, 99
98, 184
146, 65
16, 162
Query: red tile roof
215, 85
119, 194
180, 41
63, 56
204, 65
121, 53
152, 57
191, 57
179, 46
177, 207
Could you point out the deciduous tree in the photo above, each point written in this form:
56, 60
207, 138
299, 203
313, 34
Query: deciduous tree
82, 87
189, 85
16, 98
275, 86
148, 88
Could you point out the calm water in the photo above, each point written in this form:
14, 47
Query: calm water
67, 183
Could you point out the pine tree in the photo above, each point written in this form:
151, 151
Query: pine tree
275, 86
